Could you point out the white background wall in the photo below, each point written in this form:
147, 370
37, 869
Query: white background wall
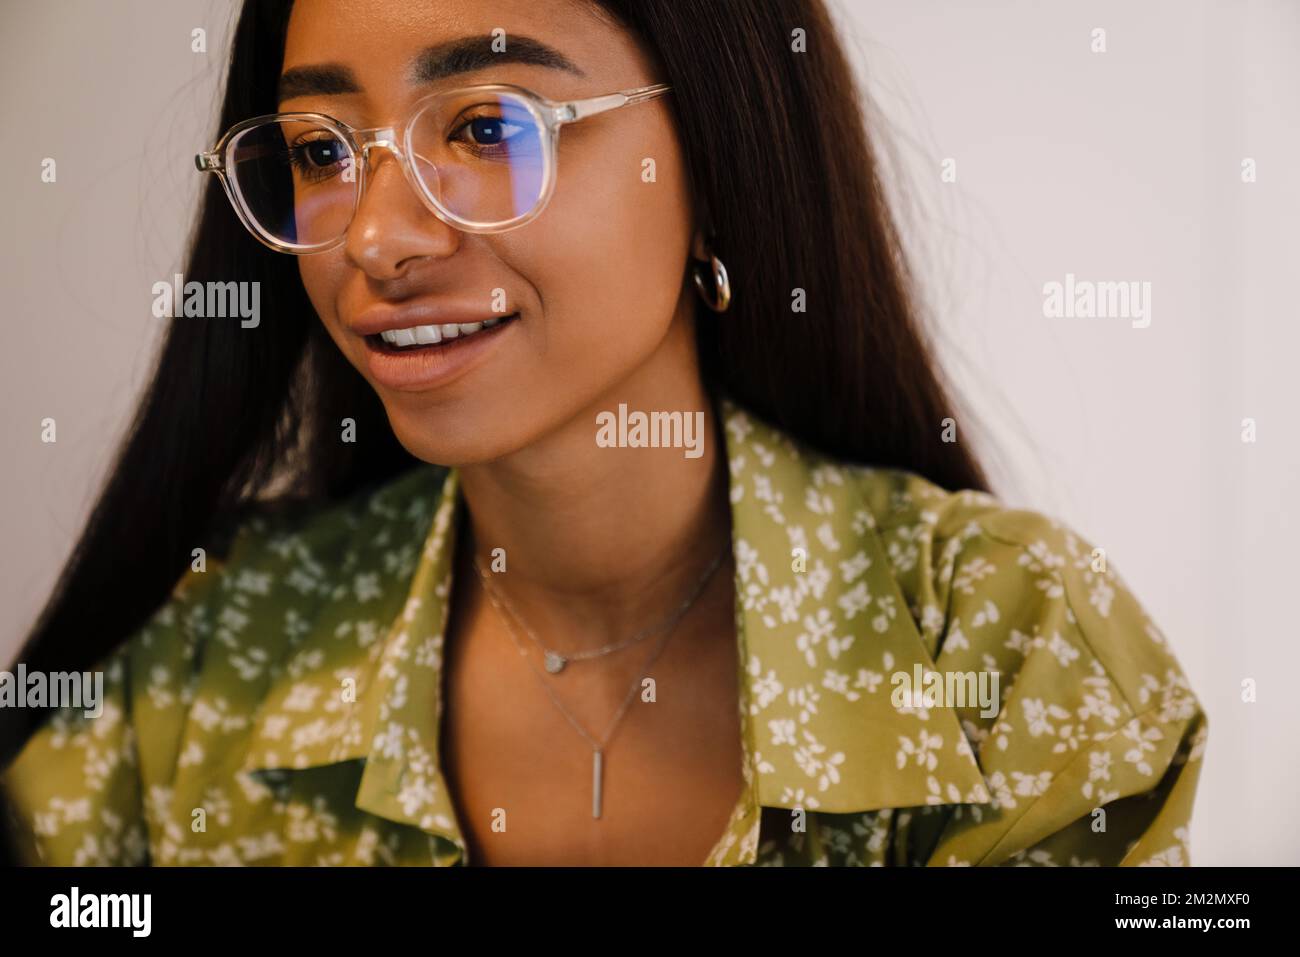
1123, 165
1126, 165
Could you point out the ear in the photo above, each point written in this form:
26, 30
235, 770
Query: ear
700, 246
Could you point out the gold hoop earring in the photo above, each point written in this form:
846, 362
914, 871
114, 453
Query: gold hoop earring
719, 299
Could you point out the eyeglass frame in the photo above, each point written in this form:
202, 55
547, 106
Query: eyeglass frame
552, 114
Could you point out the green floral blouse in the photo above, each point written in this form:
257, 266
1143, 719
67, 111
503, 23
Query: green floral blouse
283, 707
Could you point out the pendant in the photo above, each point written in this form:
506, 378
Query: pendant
555, 663
597, 766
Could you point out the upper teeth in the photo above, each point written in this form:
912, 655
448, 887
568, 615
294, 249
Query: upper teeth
427, 335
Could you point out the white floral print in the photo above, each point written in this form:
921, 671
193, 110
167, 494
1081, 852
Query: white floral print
283, 707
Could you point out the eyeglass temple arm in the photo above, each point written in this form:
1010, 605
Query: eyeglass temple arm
569, 112
576, 110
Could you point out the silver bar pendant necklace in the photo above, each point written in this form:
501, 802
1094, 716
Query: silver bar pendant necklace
555, 662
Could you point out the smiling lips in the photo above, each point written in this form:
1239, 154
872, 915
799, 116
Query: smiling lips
407, 356
425, 335
424, 344
425, 321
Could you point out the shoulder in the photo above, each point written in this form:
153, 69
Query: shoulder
279, 528
1020, 627
981, 577
981, 574
299, 552
235, 619
1089, 704
201, 664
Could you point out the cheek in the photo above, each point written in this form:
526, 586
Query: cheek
607, 258
322, 277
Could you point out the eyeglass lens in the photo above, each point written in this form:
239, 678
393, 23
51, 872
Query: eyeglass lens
480, 155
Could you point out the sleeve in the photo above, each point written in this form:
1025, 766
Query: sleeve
77, 792
1095, 750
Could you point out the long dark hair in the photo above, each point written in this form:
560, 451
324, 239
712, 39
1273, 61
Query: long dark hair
783, 172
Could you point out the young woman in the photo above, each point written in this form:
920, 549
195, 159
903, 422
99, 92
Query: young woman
583, 493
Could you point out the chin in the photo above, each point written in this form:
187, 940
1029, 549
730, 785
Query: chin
452, 440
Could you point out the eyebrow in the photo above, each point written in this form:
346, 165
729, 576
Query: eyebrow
462, 55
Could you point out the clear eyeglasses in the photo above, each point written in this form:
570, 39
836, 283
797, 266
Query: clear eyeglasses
482, 158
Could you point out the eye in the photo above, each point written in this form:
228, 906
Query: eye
495, 132
490, 130
318, 158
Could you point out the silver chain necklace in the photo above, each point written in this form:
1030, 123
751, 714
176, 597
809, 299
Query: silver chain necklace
555, 660
598, 747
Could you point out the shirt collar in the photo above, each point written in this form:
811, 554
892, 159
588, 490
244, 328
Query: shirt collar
838, 745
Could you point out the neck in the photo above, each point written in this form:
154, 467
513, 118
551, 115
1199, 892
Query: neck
602, 542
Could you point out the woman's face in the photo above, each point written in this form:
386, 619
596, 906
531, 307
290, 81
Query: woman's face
595, 282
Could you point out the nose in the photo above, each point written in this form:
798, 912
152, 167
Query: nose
393, 226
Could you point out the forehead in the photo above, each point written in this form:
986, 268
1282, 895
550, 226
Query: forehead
391, 46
